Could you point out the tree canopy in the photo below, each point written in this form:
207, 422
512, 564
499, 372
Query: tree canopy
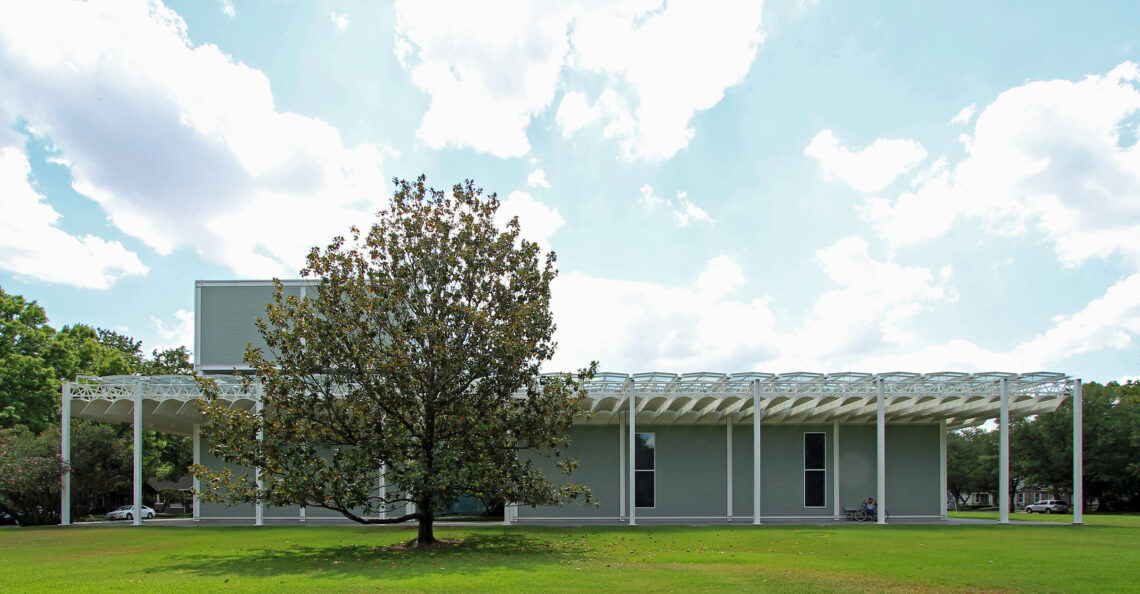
415, 362
1041, 450
34, 359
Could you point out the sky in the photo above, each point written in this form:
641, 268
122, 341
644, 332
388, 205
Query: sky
783, 186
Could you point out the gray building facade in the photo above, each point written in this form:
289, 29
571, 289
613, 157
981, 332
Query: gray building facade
662, 447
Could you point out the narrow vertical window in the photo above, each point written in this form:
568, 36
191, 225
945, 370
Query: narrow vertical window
815, 470
644, 465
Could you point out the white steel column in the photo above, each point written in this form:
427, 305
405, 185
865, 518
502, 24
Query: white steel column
196, 445
506, 514
258, 506
301, 514
65, 455
728, 469
383, 492
622, 461
1078, 455
632, 453
1003, 455
881, 452
137, 479
835, 467
756, 417
942, 467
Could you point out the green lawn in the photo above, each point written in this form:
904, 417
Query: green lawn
1028, 557
1098, 519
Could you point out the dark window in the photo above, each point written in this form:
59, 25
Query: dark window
815, 470
644, 483
644, 465
643, 452
814, 451
814, 488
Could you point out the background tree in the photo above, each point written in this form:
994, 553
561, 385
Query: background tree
101, 465
971, 462
408, 358
35, 358
30, 473
29, 386
174, 361
1041, 450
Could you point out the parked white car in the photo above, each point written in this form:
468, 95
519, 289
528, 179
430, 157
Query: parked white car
1047, 506
127, 512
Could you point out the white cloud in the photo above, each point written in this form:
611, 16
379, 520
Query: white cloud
340, 21
873, 299
859, 325
1110, 322
181, 333
537, 221
228, 8
688, 212
490, 71
684, 211
867, 170
965, 115
633, 326
575, 112
649, 200
537, 178
180, 145
32, 244
702, 328
1045, 156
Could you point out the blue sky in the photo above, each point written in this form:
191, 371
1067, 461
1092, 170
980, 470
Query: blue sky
786, 186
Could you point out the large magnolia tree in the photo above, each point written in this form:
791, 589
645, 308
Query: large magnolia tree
414, 364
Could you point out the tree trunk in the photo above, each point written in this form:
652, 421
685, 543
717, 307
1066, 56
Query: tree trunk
427, 519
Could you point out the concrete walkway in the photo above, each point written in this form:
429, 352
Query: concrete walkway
188, 522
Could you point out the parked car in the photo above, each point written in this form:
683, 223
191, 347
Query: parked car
7, 519
1047, 506
127, 512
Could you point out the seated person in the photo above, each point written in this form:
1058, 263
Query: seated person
869, 505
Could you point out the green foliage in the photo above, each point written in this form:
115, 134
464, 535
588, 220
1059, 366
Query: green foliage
29, 386
1041, 450
166, 457
406, 356
971, 462
167, 362
34, 358
30, 473
101, 465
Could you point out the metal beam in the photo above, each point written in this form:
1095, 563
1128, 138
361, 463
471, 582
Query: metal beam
756, 484
835, 468
632, 453
1078, 454
1003, 455
728, 467
881, 452
137, 477
622, 462
65, 456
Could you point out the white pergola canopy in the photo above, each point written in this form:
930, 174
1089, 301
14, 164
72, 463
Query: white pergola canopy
952, 400
169, 403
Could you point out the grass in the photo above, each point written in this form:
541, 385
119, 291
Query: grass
1026, 557
1097, 519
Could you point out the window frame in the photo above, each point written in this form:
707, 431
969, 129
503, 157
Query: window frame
652, 471
822, 470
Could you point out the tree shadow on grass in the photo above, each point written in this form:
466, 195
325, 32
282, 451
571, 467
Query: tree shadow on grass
472, 553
